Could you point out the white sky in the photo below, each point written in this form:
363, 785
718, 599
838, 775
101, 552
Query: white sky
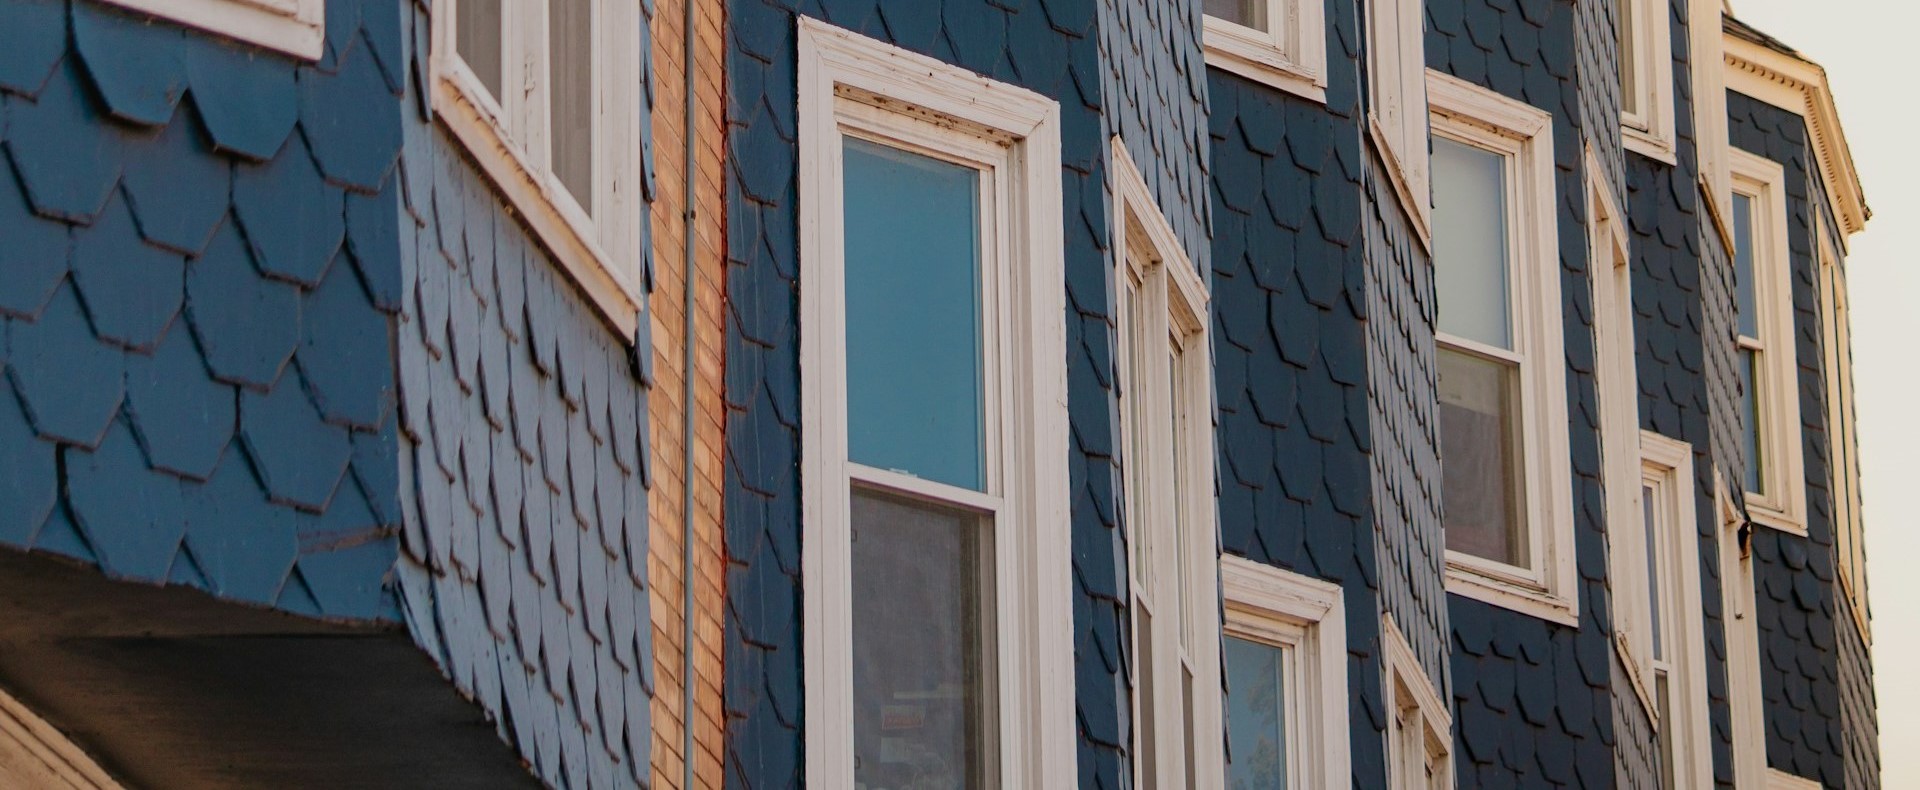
1864, 45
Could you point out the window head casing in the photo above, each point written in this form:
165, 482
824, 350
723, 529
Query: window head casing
1763, 294
546, 97
1507, 480
885, 135
1281, 43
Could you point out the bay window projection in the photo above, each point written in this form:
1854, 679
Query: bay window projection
1166, 434
935, 552
1505, 477
546, 97
1763, 302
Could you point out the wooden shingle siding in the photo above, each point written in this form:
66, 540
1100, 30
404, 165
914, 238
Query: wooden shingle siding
668, 409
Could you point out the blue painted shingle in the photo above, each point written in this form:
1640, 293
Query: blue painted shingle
246, 324
132, 291
69, 383
299, 457
183, 418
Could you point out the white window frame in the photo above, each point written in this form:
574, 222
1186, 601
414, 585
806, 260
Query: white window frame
1616, 374
1290, 55
599, 246
1175, 532
1843, 439
1471, 115
1781, 780
1412, 701
1666, 467
848, 82
295, 27
1784, 506
1738, 601
1306, 617
1649, 132
1397, 104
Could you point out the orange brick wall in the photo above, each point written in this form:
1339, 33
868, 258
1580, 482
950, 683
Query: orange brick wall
667, 399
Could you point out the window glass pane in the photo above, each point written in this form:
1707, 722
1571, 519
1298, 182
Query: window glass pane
1743, 274
914, 376
1470, 242
570, 46
1629, 89
1649, 515
1480, 451
1750, 417
922, 600
477, 39
1250, 13
1256, 715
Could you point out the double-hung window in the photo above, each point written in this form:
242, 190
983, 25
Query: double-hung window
1506, 479
935, 551
1282, 43
546, 96
1843, 441
1763, 301
1419, 725
1645, 58
1166, 434
1397, 101
1656, 590
1286, 664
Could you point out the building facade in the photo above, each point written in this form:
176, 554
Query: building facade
947, 393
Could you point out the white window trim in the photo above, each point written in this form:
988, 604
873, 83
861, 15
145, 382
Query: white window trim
34, 753
1781, 780
1650, 132
295, 27
1784, 508
1396, 122
1666, 466
1148, 252
1843, 431
1616, 374
1472, 115
508, 137
1267, 604
1400, 669
838, 71
1292, 57
1740, 619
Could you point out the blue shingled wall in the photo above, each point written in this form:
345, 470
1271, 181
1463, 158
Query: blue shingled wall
197, 297
1794, 576
1048, 46
523, 469
1533, 700
1294, 247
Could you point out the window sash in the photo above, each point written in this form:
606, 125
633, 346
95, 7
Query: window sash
1779, 498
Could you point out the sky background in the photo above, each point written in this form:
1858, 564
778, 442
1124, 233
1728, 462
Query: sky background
1864, 45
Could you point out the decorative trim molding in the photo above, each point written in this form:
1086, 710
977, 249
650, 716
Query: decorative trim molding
34, 753
1801, 87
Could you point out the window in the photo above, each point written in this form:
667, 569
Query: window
1286, 662
1419, 726
1657, 623
1506, 482
296, 27
546, 96
1166, 436
1645, 58
1741, 619
935, 555
1843, 440
1397, 92
1615, 373
1282, 43
1763, 296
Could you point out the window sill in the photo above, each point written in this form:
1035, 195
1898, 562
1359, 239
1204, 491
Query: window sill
1652, 146
1468, 583
1775, 519
299, 31
559, 229
1417, 211
1265, 65
1636, 678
